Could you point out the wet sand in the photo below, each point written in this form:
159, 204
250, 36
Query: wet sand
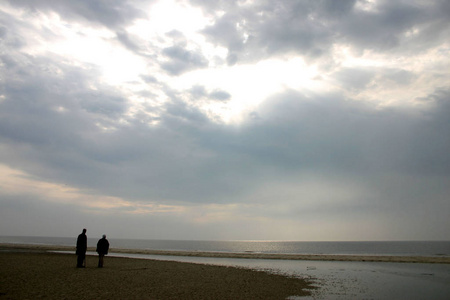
32, 273
252, 255
317, 257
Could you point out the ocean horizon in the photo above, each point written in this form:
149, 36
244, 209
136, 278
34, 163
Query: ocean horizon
400, 248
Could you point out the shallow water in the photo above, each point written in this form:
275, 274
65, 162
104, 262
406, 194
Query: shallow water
346, 280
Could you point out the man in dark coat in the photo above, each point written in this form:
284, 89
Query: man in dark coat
81, 249
102, 250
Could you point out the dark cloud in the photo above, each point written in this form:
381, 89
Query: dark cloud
199, 92
310, 28
359, 79
102, 103
355, 78
400, 77
10, 38
125, 39
269, 28
225, 32
177, 37
332, 133
149, 79
182, 60
55, 113
188, 157
220, 95
319, 155
3, 32
383, 29
112, 14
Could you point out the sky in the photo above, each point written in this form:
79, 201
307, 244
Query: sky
225, 120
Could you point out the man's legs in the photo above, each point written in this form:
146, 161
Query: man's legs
100, 260
80, 260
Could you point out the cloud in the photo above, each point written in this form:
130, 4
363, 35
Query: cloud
199, 92
266, 29
127, 41
355, 78
220, 95
182, 60
111, 14
347, 127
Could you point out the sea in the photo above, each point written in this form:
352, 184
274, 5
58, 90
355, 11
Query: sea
335, 280
390, 248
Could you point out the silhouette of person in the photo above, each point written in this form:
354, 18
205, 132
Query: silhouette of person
81, 249
102, 250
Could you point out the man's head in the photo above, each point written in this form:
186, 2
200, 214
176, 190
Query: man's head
84, 230
104, 236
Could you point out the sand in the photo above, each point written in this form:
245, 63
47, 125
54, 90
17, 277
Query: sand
31, 273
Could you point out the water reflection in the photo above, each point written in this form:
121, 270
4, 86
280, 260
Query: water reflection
347, 280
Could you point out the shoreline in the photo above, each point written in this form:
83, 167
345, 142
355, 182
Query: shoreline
245, 255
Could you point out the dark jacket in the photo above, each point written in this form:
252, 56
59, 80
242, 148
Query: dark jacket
81, 244
102, 246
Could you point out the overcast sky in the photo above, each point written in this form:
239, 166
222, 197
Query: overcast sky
228, 119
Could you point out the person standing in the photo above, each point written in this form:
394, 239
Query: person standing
102, 250
81, 249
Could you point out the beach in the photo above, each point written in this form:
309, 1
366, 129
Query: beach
32, 273
48, 271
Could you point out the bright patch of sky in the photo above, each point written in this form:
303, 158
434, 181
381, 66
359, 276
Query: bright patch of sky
248, 84
293, 119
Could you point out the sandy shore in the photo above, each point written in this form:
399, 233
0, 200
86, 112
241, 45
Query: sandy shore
34, 274
368, 258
